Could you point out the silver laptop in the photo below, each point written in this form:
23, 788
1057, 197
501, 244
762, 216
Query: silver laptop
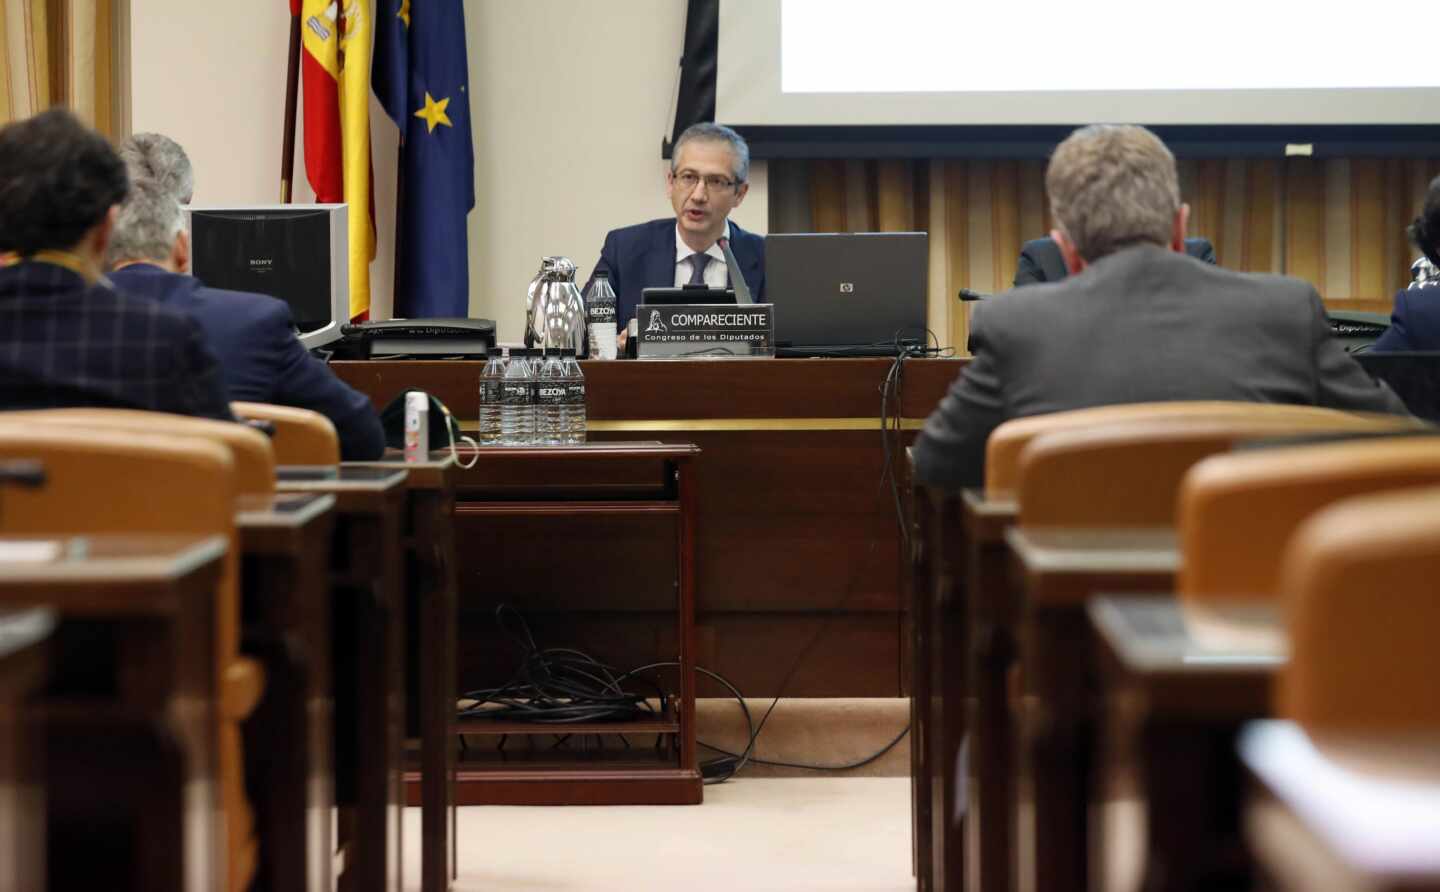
847, 293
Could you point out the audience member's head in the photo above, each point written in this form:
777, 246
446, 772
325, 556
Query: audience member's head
708, 175
60, 183
160, 160
1425, 231
1111, 187
150, 228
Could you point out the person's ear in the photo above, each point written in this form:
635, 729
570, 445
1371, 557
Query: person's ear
1074, 263
1182, 222
180, 252
99, 236
740, 192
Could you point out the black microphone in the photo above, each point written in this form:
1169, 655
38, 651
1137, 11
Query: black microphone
967, 295
742, 291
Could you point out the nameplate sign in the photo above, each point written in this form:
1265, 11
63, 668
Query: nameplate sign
695, 330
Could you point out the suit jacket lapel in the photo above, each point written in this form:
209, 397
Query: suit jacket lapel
660, 264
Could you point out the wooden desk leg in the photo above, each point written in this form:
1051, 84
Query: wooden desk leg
948, 694
920, 617
433, 583
994, 606
1060, 740
1194, 786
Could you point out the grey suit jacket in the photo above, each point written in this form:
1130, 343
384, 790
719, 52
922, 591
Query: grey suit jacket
1144, 324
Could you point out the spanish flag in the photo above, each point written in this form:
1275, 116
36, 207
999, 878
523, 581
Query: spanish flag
338, 37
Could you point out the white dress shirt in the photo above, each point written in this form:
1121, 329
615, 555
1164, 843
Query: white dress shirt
716, 275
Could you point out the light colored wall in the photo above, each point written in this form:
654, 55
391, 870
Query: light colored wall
570, 99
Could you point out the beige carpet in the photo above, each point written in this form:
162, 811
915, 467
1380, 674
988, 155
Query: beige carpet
760, 834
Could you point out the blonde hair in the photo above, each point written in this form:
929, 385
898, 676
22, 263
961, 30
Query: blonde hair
1112, 186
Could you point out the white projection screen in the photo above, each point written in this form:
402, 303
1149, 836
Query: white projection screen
818, 63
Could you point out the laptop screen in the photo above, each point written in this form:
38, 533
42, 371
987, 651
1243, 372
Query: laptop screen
847, 289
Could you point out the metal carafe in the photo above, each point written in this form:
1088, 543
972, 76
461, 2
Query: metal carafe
554, 309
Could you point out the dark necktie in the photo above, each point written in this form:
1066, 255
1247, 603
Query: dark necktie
698, 262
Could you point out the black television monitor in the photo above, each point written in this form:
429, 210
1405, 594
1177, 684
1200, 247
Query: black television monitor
298, 253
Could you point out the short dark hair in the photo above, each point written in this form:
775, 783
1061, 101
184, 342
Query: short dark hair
1425, 231
58, 179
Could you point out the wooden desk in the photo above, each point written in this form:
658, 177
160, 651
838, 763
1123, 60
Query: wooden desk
524, 498
1057, 571
1177, 684
150, 751
289, 739
792, 458
962, 650
24, 664
1344, 813
431, 616
367, 646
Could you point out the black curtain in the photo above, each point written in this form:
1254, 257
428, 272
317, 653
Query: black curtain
695, 100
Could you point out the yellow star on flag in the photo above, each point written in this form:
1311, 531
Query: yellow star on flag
434, 112
404, 13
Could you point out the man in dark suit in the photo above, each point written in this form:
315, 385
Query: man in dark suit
67, 336
1415, 321
1136, 320
1041, 260
706, 181
261, 359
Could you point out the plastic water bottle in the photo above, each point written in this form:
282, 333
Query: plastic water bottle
492, 383
550, 422
517, 401
600, 317
575, 421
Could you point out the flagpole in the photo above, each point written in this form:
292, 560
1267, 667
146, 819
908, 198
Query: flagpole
292, 92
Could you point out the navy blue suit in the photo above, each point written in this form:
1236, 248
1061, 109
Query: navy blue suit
66, 343
261, 359
1041, 260
643, 256
1414, 323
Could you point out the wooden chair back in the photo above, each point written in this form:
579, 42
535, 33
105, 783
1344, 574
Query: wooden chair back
1359, 592
253, 454
1238, 510
302, 437
119, 493
1127, 474
1002, 450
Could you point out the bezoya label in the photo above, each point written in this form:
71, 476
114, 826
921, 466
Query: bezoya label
599, 312
491, 391
515, 393
550, 394
575, 393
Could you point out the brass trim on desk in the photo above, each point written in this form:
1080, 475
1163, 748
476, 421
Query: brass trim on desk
734, 424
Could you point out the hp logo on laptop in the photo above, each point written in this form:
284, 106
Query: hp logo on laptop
847, 287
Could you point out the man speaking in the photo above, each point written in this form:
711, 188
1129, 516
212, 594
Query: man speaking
706, 181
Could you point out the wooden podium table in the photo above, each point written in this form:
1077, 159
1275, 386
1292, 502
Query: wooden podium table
532, 494
789, 477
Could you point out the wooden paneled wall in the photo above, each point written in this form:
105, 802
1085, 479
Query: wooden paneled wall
1338, 223
65, 52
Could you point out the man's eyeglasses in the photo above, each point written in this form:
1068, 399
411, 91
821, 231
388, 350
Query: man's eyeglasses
687, 179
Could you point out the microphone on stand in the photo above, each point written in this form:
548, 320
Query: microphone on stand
742, 291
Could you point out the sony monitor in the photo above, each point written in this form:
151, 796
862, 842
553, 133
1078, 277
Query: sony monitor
296, 252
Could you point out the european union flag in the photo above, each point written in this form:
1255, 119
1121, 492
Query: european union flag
420, 76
